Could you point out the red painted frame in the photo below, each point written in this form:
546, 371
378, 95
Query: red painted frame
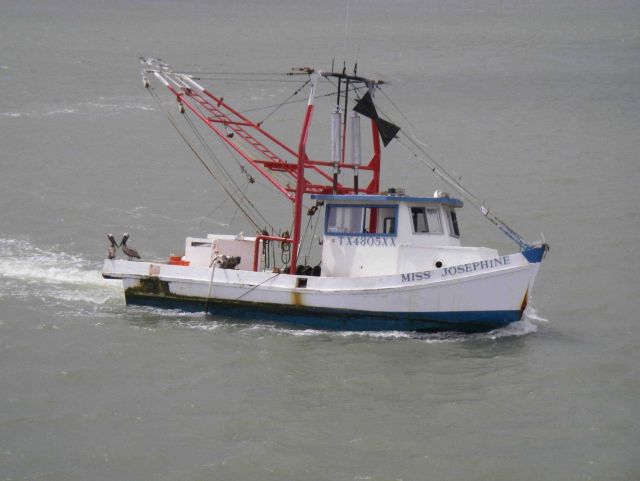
214, 112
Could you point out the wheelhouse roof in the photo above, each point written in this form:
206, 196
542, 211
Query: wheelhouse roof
391, 199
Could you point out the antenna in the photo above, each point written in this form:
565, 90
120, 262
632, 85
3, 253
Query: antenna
346, 29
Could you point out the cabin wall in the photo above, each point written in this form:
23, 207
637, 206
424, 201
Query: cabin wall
407, 237
416, 259
353, 257
365, 254
356, 256
200, 252
197, 251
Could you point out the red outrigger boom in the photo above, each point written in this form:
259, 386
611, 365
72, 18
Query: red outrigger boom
290, 171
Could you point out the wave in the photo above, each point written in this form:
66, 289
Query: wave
516, 329
532, 314
27, 270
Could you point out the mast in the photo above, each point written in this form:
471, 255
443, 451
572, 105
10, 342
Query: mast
292, 172
285, 167
301, 182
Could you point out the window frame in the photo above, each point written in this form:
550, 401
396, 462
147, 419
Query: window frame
362, 234
425, 209
452, 222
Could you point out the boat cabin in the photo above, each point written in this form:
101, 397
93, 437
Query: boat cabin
366, 235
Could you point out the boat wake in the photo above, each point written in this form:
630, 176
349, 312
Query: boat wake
55, 277
532, 314
516, 329
205, 323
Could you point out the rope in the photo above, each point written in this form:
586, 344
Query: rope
439, 171
304, 236
224, 201
204, 164
236, 212
454, 182
206, 147
219, 164
206, 304
250, 180
313, 235
254, 287
444, 175
255, 109
283, 103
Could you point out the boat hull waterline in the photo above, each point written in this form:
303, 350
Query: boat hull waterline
477, 296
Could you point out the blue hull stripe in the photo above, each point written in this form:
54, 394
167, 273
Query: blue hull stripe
336, 319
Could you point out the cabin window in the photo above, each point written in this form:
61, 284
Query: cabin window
200, 244
453, 223
360, 220
426, 219
389, 225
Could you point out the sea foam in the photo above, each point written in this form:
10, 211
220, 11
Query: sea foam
28, 270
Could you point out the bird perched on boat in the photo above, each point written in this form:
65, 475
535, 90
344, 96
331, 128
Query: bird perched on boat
129, 251
111, 251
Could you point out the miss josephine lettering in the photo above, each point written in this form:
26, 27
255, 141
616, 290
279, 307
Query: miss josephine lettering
475, 266
461, 269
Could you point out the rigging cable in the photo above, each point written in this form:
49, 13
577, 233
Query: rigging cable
283, 103
443, 174
204, 164
304, 236
228, 176
454, 182
206, 147
254, 287
243, 196
215, 209
494, 219
255, 109
313, 235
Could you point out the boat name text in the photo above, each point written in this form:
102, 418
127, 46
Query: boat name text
460, 269
475, 266
416, 276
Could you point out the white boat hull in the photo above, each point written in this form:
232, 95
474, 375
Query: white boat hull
474, 296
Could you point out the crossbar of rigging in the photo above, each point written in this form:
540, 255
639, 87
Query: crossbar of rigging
263, 151
204, 164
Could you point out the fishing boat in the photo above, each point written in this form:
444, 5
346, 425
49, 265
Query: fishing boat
388, 260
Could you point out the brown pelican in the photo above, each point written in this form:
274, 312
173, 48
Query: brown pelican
111, 251
130, 251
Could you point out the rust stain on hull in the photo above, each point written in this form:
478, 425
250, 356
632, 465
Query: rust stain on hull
525, 301
296, 298
150, 285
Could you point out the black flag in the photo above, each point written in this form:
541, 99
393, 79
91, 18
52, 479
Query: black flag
387, 130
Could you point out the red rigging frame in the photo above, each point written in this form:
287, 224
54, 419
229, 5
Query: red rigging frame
288, 170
